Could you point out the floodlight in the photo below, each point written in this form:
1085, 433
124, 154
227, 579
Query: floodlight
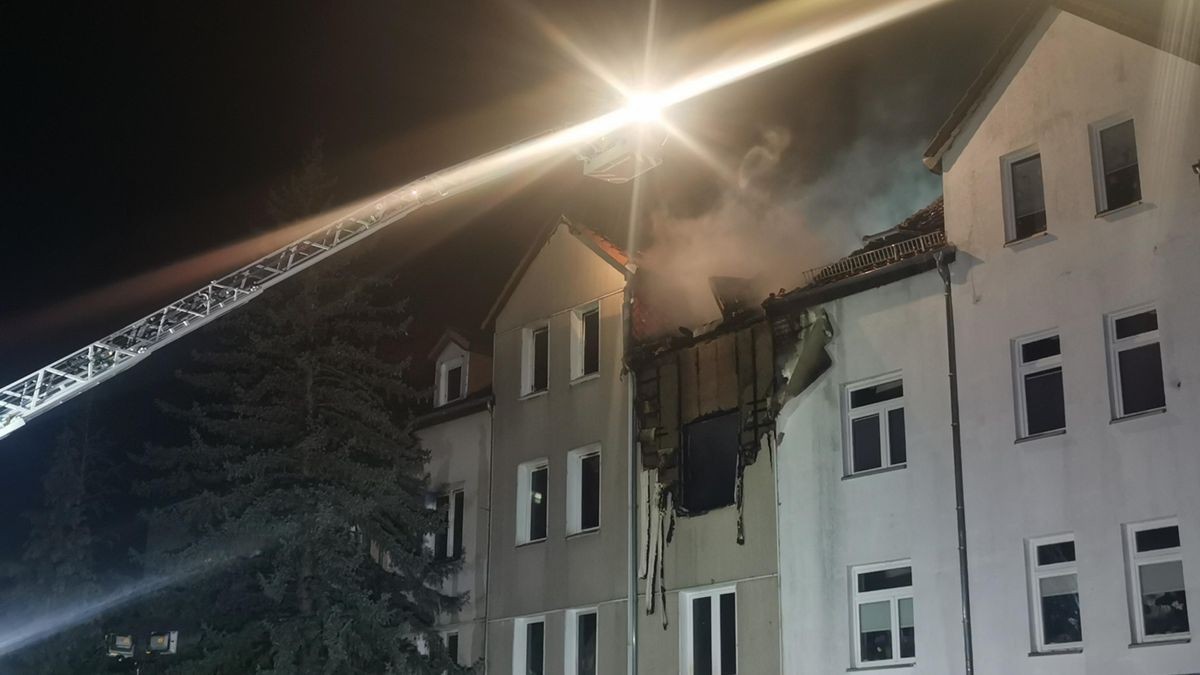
163, 643
120, 646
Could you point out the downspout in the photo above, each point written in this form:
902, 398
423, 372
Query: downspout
956, 440
487, 565
631, 612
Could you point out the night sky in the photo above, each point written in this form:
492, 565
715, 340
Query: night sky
137, 135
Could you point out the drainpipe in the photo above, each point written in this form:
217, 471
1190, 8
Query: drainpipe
956, 440
487, 565
631, 612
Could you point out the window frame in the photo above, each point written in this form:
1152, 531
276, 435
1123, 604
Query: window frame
893, 596
1115, 346
1036, 573
579, 339
683, 506
1099, 185
571, 639
525, 472
454, 656
521, 641
1009, 193
850, 414
1022, 369
454, 548
528, 353
575, 460
443, 371
686, 662
1134, 560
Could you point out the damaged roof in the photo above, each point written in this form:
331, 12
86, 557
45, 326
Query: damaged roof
1141, 20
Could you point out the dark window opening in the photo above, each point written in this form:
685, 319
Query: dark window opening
541, 356
537, 503
591, 342
1164, 598
1050, 554
710, 449
1061, 623
1029, 199
1157, 539
589, 492
457, 549
877, 393
702, 636
440, 539
1119, 160
1129, 326
728, 630
535, 636
452, 646
896, 577
1045, 409
897, 450
454, 384
1141, 379
1044, 348
585, 644
867, 448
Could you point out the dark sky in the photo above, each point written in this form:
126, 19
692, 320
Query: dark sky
139, 134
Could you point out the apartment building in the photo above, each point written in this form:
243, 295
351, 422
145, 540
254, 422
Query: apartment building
457, 432
560, 483
1070, 194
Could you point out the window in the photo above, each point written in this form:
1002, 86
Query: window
451, 383
532, 480
581, 642
1040, 407
884, 631
529, 641
448, 541
583, 489
1157, 594
1115, 162
875, 424
535, 376
1054, 591
451, 641
585, 341
708, 635
1025, 195
1135, 362
710, 448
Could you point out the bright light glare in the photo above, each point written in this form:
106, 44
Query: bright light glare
644, 107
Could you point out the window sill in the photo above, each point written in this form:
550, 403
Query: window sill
1183, 640
1030, 240
1044, 434
535, 542
583, 533
874, 472
533, 394
1056, 652
1109, 212
1134, 416
889, 666
585, 378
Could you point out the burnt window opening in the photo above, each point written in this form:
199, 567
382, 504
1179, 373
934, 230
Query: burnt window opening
1028, 198
710, 450
1120, 179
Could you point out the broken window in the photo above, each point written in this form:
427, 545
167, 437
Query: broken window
1040, 406
583, 489
535, 376
885, 632
710, 631
1156, 567
710, 449
1135, 362
532, 482
1118, 177
1028, 197
1054, 578
585, 341
875, 425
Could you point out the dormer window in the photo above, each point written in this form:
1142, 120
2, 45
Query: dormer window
451, 380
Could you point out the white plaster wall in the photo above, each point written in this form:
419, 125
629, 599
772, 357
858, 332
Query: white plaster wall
1099, 475
828, 523
459, 456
